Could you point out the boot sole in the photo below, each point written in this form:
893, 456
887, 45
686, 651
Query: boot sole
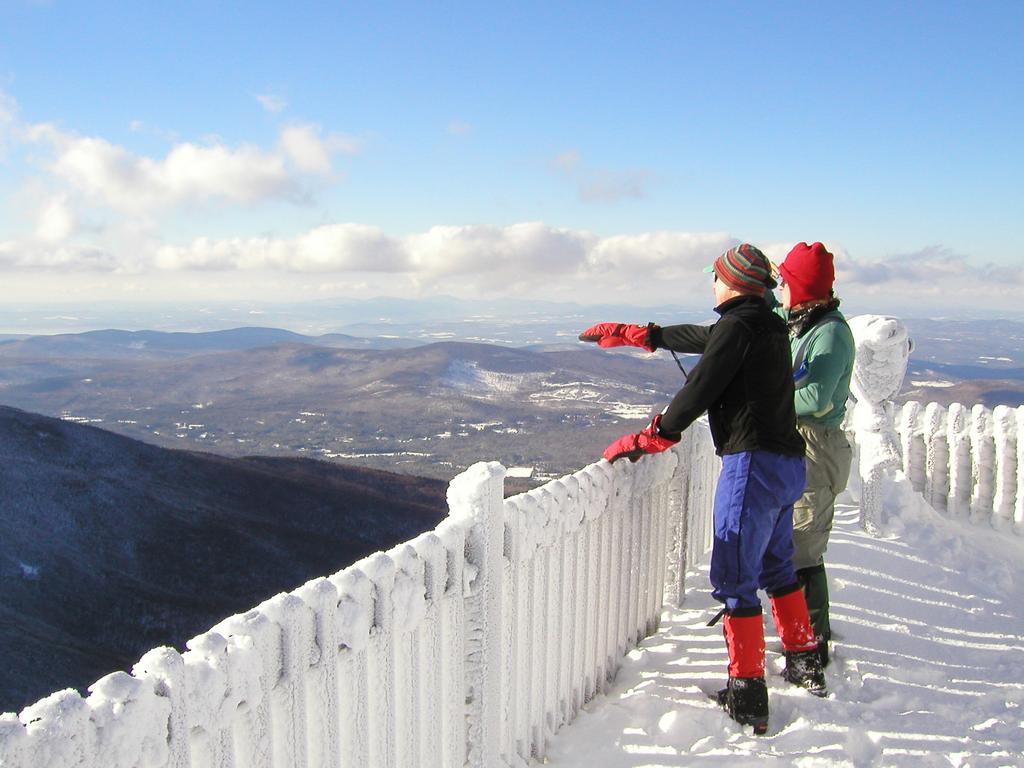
760, 727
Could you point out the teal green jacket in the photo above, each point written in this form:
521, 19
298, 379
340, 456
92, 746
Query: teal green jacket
823, 381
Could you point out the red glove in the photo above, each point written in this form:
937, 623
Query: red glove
620, 335
632, 447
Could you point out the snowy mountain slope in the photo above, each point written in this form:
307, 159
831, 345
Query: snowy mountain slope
109, 547
928, 667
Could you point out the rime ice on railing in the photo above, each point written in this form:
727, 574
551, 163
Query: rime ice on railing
912, 445
1004, 434
586, 577
960, 478
983, 450
971, 466
936, 469
1018, 505
469, 645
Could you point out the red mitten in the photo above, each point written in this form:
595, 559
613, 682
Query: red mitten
619, 335
632, 447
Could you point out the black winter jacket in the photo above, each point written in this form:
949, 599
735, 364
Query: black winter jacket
744, 379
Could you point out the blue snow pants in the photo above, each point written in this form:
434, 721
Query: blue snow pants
753, 544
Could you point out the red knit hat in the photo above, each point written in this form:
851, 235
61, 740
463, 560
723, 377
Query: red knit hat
809, 273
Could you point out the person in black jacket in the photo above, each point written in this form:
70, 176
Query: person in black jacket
744, 381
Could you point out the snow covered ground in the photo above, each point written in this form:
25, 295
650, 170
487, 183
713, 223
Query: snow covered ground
928, 665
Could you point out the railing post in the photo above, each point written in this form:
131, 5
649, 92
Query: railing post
165, 669
676, 554
983, 462
912, 444
1018, 505
380, 569
476, 497
322, 686
958, 431
936, 482
13, 741
1004, 435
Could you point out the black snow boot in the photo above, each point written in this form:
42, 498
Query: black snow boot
815, 584
803, 668
746, 701
823, 657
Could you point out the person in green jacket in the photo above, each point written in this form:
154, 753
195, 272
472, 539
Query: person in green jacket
823, 353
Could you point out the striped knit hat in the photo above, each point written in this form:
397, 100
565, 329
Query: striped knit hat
744, 268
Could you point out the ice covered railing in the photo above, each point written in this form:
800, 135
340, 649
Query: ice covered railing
966, 462
469, 645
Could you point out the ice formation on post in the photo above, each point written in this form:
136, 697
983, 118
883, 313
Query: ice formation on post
883, 349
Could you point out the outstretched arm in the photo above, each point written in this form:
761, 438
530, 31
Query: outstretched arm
687, 338
620, 335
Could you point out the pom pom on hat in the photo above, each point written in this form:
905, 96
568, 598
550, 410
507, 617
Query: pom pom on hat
809, 272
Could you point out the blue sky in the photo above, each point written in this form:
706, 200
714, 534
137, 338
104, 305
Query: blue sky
591, 150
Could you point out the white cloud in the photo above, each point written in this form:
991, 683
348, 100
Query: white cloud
662, 253
306, 149
191, 172
335, 248
56, 221
529, 257
111, 175
102, 173
271, 103
348, 248
311, 152
499, 254
20, 256
602, 185
522, 259
932, 270
8, 114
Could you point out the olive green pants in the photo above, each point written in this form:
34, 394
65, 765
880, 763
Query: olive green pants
828, 469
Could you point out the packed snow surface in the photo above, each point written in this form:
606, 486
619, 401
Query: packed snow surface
928, 665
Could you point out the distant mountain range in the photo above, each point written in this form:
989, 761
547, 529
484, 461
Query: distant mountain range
513, 321
160, 345
430, 410
109, 546
966, 361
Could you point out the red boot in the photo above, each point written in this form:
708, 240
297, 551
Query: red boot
803, 666
745, 699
